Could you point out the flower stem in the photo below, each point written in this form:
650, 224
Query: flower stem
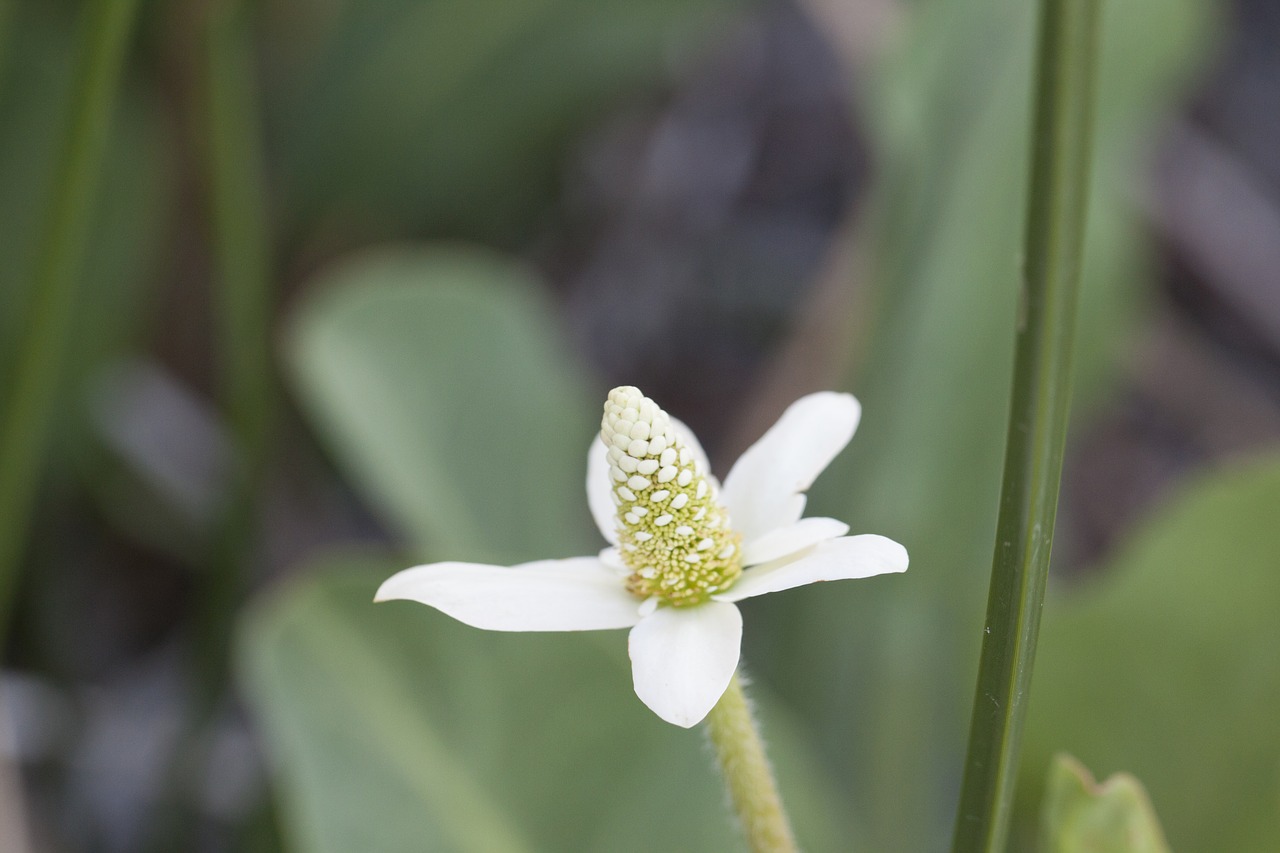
29, 402
1058, 193
747, 775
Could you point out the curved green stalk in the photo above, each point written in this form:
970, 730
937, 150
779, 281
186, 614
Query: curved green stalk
29, 404
1058, 193
747, 774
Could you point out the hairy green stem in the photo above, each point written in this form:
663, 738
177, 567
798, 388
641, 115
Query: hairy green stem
1057, 201
747, 774
28, 406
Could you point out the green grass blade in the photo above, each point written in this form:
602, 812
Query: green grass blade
29, 404
1060, 158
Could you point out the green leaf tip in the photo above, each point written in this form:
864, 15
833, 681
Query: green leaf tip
1081, 815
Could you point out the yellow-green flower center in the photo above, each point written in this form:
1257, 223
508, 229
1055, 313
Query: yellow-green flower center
672, 534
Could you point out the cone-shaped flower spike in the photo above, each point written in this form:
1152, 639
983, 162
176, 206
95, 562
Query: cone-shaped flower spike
682, 549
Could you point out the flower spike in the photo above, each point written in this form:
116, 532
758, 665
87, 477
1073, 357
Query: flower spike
672, 534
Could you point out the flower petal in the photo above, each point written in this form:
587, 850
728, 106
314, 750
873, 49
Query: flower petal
600, 489
611, 557
836, 559
683, 657
785, 541
764, 490
578, 594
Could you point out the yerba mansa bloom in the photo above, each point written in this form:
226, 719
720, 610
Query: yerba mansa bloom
682, 548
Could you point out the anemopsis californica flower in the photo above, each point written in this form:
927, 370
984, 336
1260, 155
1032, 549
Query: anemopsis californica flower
682, 549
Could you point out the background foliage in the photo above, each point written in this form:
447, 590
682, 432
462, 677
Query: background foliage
478, 217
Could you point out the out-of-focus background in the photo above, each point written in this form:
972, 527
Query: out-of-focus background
358, 276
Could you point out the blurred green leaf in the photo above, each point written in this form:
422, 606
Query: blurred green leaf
1166, 664
440, 380
949, 121
1081, 816
130, 223
453, 116
394, 728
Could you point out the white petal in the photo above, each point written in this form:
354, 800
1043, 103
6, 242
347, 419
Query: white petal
836, 559
611, 557
599, 488
785, 541
578, 594
683, 657
764, 491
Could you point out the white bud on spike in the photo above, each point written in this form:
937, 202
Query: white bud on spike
672, 538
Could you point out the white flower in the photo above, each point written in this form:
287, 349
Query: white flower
683, 549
